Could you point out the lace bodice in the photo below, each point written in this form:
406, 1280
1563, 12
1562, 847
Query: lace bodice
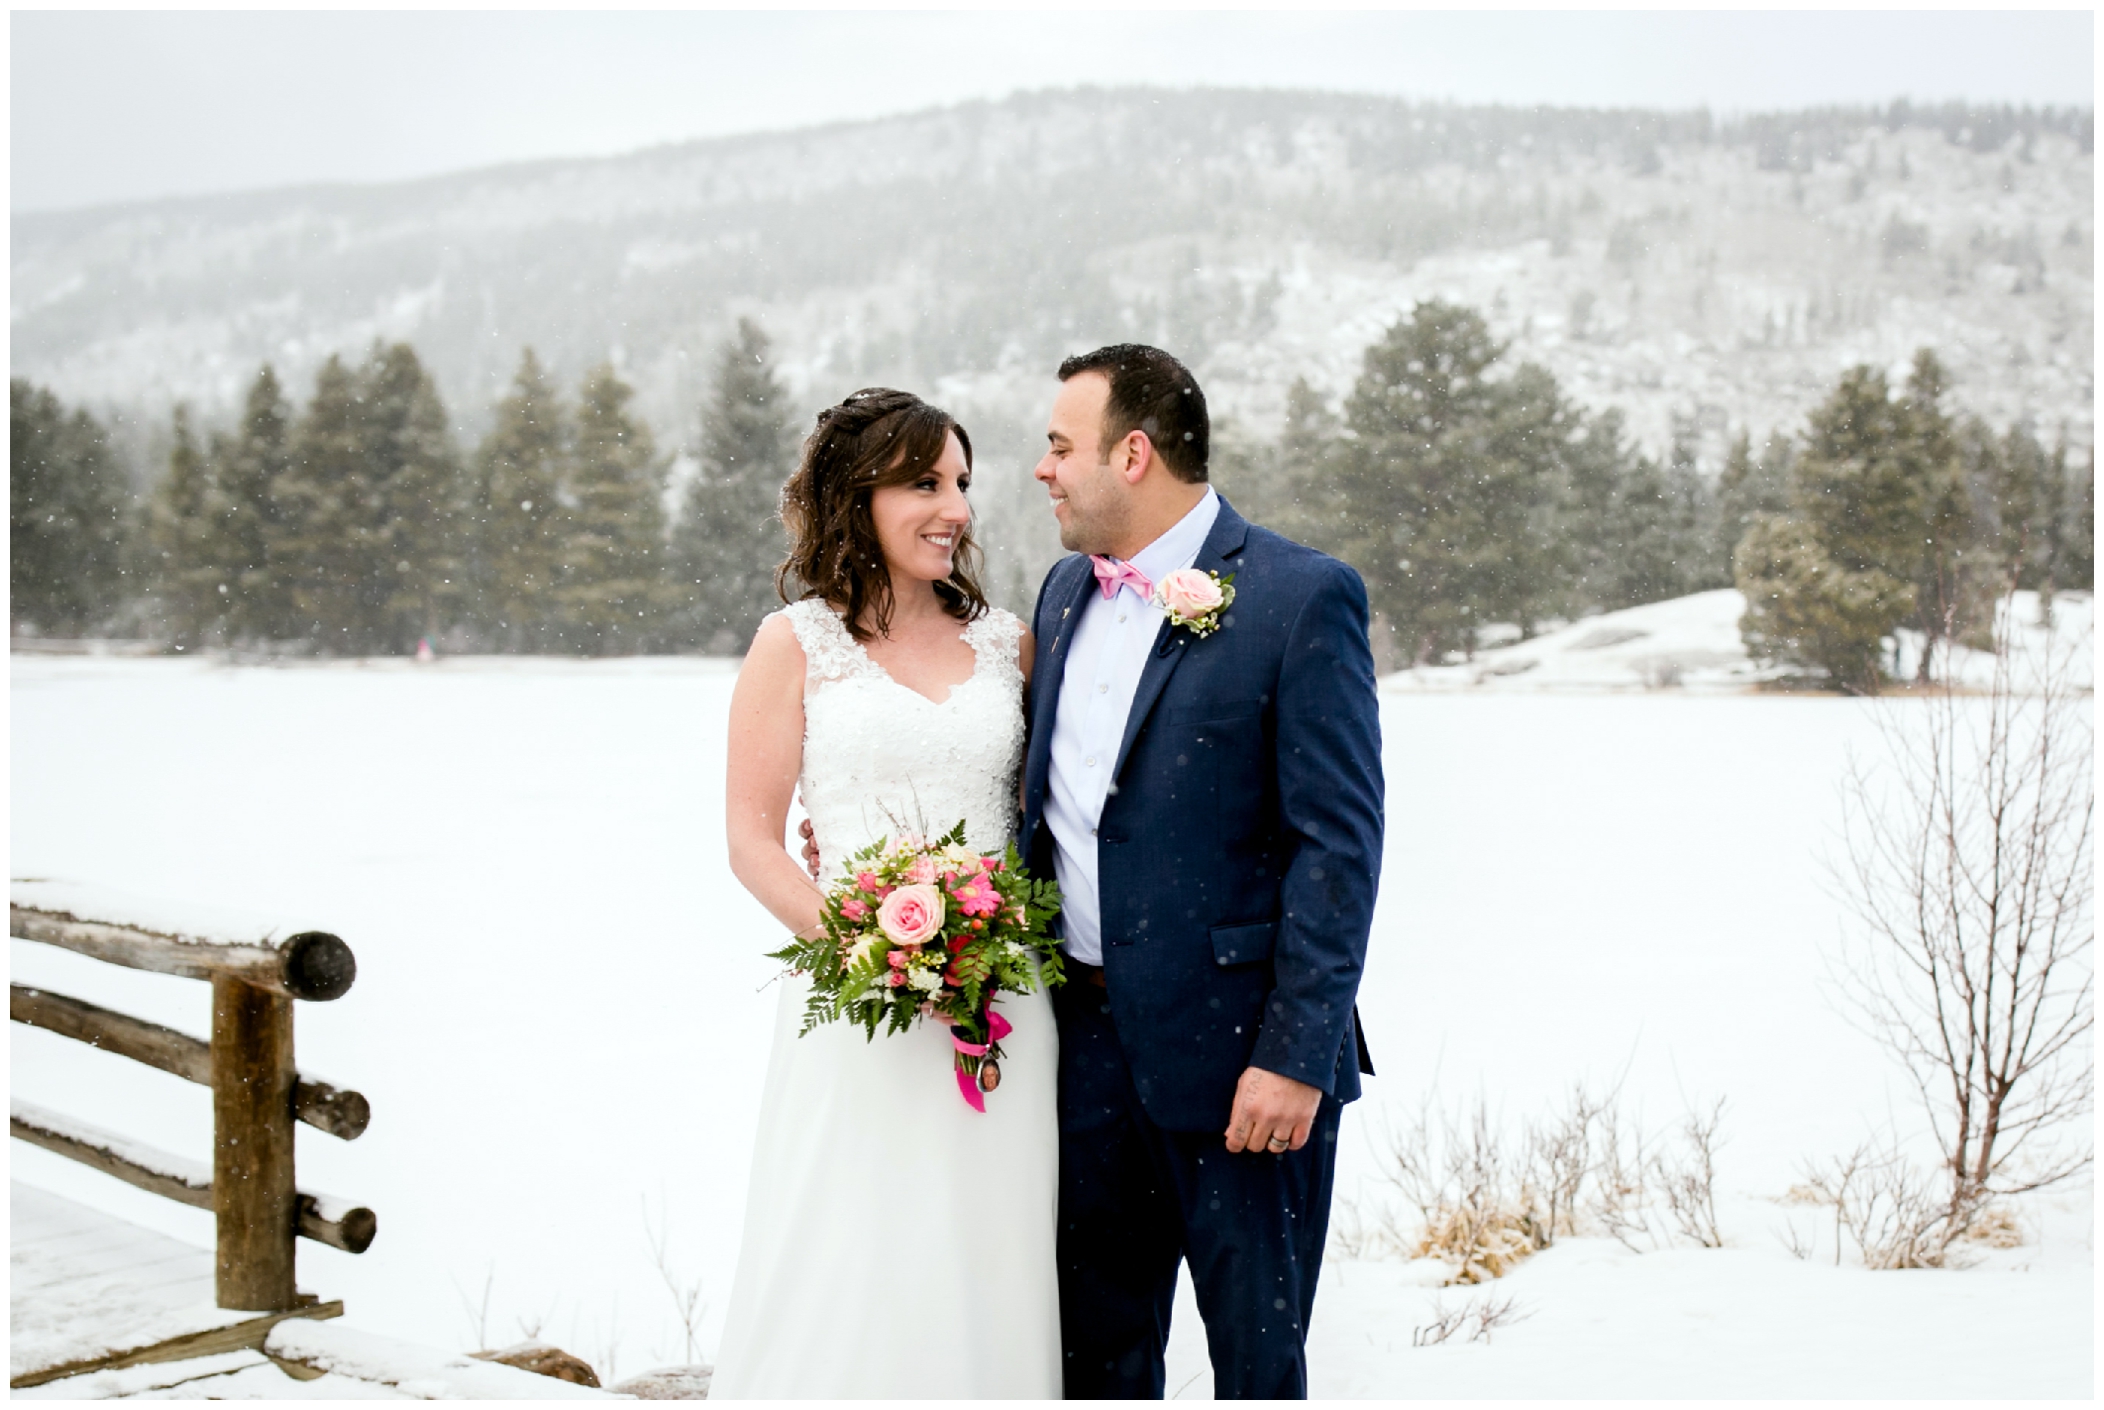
879, 756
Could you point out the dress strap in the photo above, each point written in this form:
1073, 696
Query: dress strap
996, 638
830, 652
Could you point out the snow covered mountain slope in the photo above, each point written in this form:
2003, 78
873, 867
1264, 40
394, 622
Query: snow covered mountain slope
1665, 263
1692, 643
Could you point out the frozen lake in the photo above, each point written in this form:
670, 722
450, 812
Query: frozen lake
560, 1022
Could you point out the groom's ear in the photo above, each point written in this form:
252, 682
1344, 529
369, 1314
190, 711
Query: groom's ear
1139, 456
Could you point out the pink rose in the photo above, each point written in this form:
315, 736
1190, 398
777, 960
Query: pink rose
911, 914
867, 880
1188, 593
895, 979
853, 909
921, 872
896, 959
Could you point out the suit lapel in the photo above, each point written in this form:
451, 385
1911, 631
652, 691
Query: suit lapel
1050, 671
1172, 642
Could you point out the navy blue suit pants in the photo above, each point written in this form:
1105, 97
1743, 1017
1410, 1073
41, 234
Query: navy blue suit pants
1135, 1200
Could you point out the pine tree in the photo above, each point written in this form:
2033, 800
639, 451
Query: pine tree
329, 513
419, 567
1664, 529
1803, 606
1593, 516
67, 517
1445, 495
249, 468
191, 583
519, 473
612, 591
1881, 521
2076, 564
728, 542
1749, 487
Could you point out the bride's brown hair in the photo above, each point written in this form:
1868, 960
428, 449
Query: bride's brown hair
876, 437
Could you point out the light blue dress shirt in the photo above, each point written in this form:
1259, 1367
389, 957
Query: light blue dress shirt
1111, 642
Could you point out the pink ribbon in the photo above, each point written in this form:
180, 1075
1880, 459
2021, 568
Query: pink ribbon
968, 1082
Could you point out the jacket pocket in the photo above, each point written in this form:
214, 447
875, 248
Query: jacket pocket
1244, 944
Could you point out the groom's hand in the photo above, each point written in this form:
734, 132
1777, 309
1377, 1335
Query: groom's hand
1272, 1113
810, 847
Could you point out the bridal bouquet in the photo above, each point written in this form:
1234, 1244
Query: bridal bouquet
921, 929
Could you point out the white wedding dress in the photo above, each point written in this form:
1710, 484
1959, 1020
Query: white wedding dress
898, 1244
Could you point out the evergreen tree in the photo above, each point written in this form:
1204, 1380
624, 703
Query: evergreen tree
67, 525
1749, 487
1881, 521
1803, 606
727, 542
1594, 518
613, 590
1445, 493
249, 467
418, 568
2076, 567
329, 519
190, 581
519, 472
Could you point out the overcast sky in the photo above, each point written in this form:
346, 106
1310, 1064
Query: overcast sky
127, 106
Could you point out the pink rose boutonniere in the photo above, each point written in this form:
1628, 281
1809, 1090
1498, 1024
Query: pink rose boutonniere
1195, 600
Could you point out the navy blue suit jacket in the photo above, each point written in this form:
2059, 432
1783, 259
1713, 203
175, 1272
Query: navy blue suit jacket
1240, 848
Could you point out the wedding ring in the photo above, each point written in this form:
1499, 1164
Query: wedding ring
1278, 1142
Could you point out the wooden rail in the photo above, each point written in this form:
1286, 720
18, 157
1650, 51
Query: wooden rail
321, 1218
257, 1091
343, 1114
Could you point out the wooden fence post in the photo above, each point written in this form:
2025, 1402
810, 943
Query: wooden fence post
254, 1189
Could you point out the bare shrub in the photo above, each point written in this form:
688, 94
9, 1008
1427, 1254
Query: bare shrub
1887, 1206
685, 1293
1445, 1322
1476, 1214
1484, 1201
1688, 1179
1968, 868
1479, 1318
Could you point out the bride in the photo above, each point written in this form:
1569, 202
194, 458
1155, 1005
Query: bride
897, 1243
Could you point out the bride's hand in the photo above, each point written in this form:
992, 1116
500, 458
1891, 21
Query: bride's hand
803, 830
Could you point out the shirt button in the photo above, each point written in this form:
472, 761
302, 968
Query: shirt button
1121, 616
1090, 761
1092, 832
1102, 689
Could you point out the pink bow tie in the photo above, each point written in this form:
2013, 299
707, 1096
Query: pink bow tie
1113, 574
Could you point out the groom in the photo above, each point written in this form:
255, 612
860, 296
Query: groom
1212, 807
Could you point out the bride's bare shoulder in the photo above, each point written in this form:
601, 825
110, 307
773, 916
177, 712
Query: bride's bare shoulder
776, 657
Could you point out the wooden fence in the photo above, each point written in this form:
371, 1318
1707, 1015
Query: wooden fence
258, 1091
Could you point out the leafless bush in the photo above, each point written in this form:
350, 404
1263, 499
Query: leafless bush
1483, 1201
1560, 1157
1479, 1318
477, 1311
1888, 1207
686, 1295
1445, 1322
1476, 1213
1968, 867
1688, 1180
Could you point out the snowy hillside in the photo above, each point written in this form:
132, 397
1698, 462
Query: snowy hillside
1665, 263
1692, 643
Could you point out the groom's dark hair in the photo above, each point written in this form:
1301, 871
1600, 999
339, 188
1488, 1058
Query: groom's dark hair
1151, 391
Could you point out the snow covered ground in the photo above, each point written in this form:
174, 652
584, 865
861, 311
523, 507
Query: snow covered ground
1692, 643
561, 1010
